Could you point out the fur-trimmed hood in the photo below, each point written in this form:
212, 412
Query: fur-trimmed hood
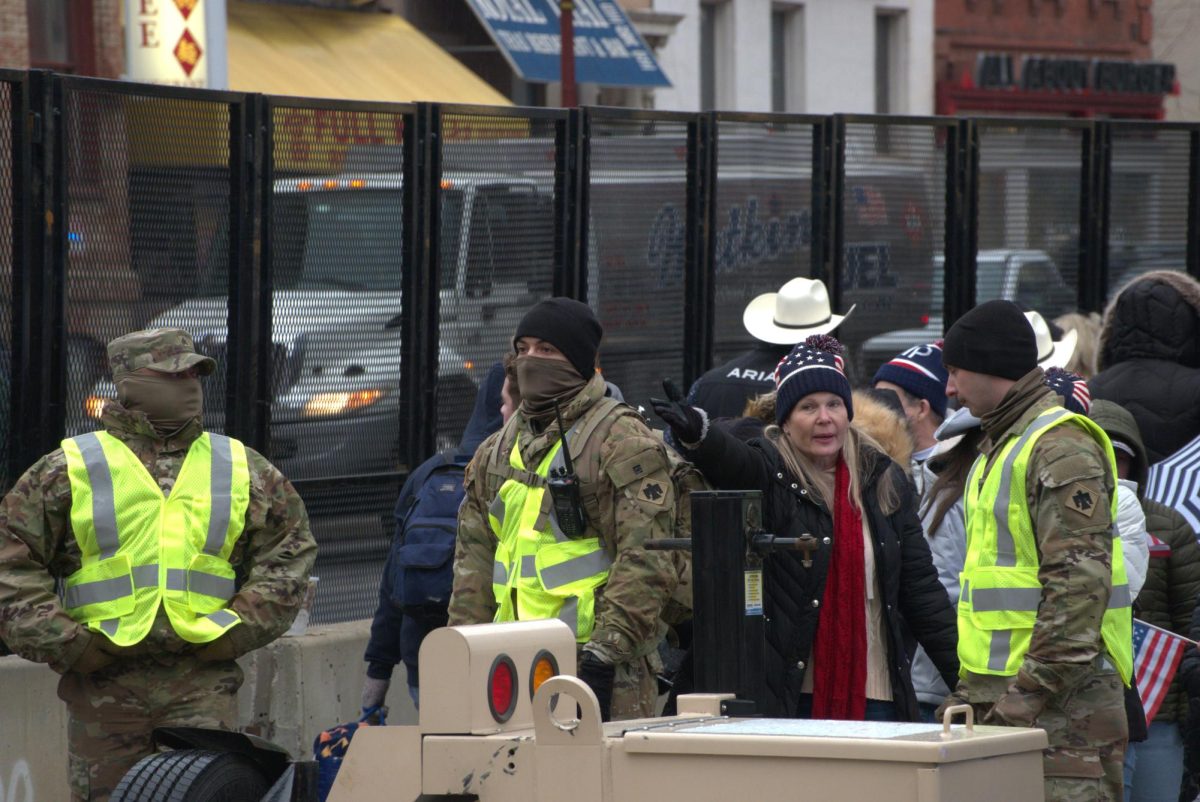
882, 424
1155, 316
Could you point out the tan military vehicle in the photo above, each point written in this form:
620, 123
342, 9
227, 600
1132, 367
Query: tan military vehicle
503, 718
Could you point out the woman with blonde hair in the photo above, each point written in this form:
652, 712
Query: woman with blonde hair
869, 584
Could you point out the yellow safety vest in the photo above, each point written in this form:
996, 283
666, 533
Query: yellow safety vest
539, 572
140, 548
1000, 588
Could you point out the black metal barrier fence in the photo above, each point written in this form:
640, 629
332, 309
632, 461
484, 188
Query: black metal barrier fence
356, 268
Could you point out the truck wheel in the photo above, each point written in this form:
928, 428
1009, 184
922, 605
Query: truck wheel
192, 775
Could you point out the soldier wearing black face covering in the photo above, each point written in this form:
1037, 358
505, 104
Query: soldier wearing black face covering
177, 551
581, 562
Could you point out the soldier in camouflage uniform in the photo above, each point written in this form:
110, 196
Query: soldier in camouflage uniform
115, 694
627, 497
1068, 683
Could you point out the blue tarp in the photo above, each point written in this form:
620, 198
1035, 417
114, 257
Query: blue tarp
608, 51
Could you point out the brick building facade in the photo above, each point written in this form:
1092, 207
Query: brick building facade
83, 37
1058, 57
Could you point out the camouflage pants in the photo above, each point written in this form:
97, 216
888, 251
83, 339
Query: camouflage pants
635, 688
1088, 732
113, 712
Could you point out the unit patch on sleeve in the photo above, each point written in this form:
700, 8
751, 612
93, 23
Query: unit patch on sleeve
1081, 500
652, 490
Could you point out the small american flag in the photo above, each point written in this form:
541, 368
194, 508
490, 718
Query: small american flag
1156, 655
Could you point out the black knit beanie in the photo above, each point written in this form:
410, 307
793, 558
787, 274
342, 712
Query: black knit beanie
568, 325
994, 338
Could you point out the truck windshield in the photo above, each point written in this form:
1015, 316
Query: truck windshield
349, 240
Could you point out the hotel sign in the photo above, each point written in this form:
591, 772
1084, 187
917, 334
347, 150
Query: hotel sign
165, 42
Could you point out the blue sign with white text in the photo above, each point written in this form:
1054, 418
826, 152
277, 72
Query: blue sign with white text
608, 51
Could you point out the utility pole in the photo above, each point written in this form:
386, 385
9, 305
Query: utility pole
567, 69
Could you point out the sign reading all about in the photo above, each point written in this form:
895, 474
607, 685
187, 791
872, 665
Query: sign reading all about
165, 42
608, 51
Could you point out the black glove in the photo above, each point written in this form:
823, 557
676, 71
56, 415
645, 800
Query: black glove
599, 676
686, 422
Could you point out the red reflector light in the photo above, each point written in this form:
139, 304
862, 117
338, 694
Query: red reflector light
924, 320
501, 690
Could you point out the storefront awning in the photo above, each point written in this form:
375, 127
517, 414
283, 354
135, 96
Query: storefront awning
311, 52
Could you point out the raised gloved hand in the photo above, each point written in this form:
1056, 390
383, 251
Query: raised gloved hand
599, 676
688, 423
374, 692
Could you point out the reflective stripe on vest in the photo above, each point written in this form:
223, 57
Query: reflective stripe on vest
538, 571
139, 549
1001, 592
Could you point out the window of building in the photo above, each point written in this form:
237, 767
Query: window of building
60, 35
787, 58
708, 56
891, 65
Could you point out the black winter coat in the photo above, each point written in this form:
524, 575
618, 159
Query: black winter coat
1150, 359
723, 391
914, 601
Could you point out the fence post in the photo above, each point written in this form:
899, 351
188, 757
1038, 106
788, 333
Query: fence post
962, 221
570, 206
51, 225
829, 163
248, 365
32, 172
419, 282
700, 243
1093, 205
1193, 212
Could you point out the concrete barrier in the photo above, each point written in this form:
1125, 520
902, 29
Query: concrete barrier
294, 688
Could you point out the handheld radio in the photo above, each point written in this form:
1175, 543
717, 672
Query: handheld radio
563, 484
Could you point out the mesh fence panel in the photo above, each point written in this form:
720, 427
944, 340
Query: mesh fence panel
763, 220
148, 209
6, 269
638, 207
496, 247
7, 97
1030, 183
1148, 204
336, 256
894, 217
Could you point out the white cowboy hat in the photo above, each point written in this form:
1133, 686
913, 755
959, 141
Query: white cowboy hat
1052, 353
799, 310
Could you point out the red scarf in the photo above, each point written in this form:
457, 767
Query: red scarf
839, 660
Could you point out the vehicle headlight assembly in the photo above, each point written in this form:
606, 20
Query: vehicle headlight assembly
324, 405
93, 406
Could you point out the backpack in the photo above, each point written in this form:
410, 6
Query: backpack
422, 561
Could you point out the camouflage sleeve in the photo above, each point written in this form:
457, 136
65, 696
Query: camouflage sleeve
471, 598
34, 520
1070, 487
637, 503
278, 552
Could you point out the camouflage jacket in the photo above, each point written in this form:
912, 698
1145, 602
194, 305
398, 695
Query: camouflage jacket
1074, 553
628, 497
273, 556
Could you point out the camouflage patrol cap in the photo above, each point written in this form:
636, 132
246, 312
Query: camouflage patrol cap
166, 350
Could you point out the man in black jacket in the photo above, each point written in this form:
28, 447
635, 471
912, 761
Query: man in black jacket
778, 320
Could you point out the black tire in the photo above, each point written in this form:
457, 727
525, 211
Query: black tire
192, 775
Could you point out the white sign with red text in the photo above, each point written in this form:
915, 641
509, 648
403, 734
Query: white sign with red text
165, 42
